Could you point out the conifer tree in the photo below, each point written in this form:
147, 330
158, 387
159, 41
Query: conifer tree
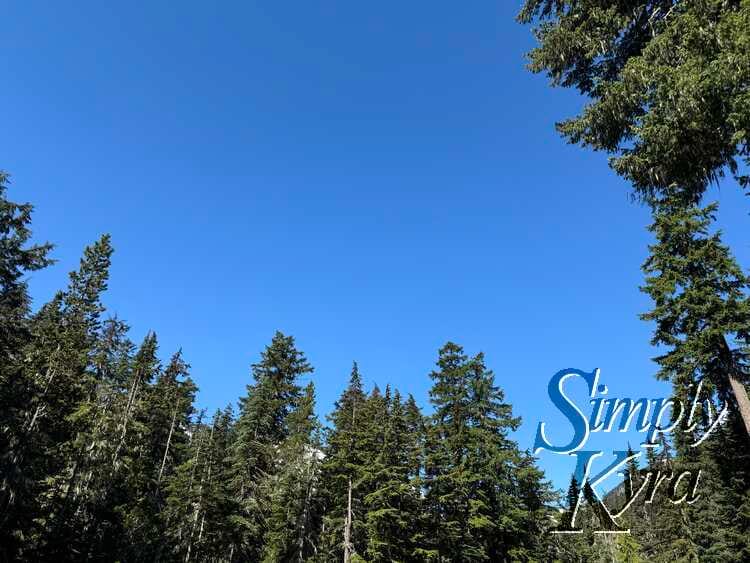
666, 82
573, 498
79, 503
199, 502
579, 546
340, 470
154, 443
58, 378
169, 414
699, 304
96, 523
415, 427
261, 428
371, 430
392, 505
18, 257
292, 520
473, 468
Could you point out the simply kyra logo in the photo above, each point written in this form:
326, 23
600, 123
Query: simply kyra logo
655, 417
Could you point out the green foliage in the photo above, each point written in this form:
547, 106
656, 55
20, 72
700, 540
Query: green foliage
667, 82
484, 496
18, 257
263, 425
342, 462
668, 99
291, 524
199, 505
104, 457
699, 297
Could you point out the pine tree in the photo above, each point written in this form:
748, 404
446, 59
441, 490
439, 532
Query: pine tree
391, 506
261, 428
699, 303
154, 444
293, 512
199, 502
339, 471
58, 375
666, 82
473, 468
17, 258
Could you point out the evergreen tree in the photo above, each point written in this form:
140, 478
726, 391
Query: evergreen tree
59, 378
392, 503
17, 258
699, 304
569, 519
261, 428
200, 504
340, 470
667, 83
80, 504
169, 413
578, 547
155, 442
473, 468
97, 522
291, 523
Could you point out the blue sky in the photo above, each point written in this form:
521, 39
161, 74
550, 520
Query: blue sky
374, 179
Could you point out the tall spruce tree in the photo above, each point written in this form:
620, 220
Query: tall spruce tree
700, 304
153, 445
340, 470
96, 524
667, 82
18, 257
474, 472
392, 504
262, 427
578, 547
200, 505
292, 519
58, 375
701, 310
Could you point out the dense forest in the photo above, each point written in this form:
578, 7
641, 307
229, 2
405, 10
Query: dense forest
104, 456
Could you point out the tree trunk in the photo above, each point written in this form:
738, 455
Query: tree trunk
131, 404
166, 449
348, 526
739, 391
743, 402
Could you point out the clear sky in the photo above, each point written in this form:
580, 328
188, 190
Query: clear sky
372, 178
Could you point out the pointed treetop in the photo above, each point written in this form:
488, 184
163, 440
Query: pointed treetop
355, 380
90, 280
16, 256
177, 367
281, 360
